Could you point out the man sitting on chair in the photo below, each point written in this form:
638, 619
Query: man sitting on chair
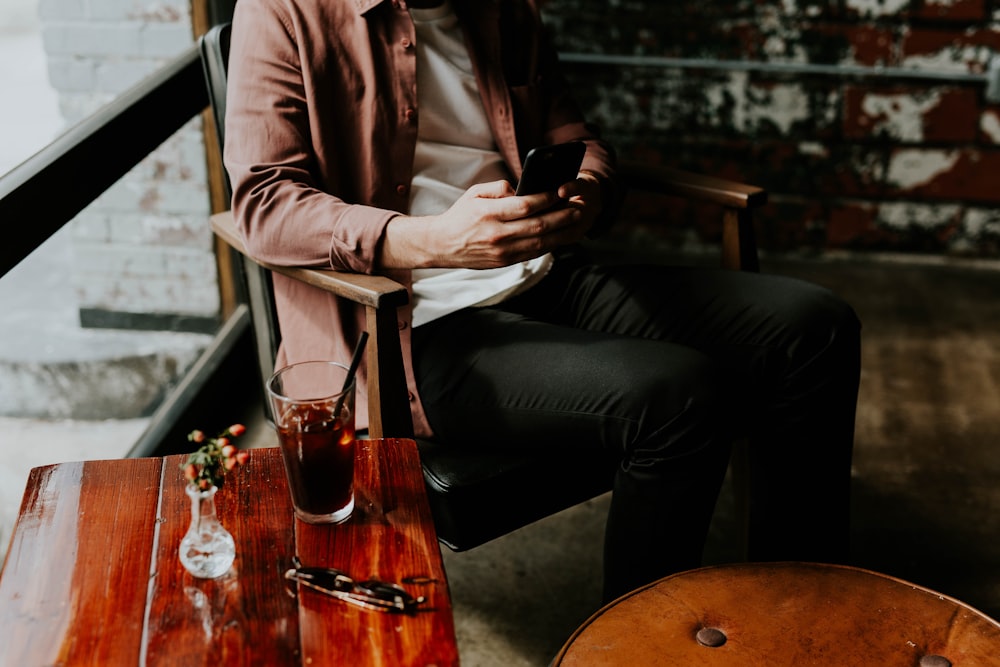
382, 136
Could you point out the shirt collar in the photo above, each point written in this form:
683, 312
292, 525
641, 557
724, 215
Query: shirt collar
365, 6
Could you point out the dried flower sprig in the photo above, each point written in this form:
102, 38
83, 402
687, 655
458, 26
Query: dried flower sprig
207, 467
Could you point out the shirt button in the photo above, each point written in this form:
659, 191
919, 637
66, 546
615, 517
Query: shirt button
401, 189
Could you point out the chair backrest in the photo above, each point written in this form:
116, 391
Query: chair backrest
257, 289
214, 47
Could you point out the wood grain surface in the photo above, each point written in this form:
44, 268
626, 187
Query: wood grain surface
93, 577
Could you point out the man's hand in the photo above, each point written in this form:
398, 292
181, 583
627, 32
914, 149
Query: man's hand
489, 227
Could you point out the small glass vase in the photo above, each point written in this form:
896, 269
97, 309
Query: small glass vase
207, 550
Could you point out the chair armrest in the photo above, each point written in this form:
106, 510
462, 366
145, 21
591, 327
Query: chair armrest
709, 189
388, 404
738, 200
367, 290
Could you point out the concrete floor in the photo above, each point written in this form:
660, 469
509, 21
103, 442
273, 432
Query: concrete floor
927, 465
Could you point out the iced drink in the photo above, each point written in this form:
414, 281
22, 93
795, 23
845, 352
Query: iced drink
317, 443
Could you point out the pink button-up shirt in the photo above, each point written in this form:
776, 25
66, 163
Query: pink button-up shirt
321, 128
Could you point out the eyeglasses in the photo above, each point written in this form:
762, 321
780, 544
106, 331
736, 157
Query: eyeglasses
370, 594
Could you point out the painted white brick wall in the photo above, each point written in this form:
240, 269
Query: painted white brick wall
144, 247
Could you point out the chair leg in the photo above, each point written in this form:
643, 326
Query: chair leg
739, 246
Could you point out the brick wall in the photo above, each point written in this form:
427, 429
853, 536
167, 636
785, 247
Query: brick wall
852, 163
143, 251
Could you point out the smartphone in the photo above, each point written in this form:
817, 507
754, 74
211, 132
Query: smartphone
548, 167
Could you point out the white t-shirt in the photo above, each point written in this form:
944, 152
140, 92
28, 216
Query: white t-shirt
451, 111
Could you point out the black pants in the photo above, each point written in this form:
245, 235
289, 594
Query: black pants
665, 365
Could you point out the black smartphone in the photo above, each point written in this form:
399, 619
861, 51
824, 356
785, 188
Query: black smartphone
548, 167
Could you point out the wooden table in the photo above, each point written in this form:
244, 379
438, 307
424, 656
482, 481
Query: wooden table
93, 577
784, 615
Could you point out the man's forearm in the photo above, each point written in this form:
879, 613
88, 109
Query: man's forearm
404, 244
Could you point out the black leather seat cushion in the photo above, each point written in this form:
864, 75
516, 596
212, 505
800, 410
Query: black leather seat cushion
477, 495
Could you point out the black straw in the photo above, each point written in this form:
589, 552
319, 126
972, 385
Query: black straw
355, 362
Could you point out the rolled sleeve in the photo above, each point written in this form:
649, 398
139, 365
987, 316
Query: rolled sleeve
356, 238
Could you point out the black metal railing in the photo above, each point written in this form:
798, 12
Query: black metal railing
43, 193
46, 191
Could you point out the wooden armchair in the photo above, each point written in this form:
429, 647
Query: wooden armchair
474, 496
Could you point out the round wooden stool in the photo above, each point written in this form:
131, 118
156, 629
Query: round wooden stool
793, 614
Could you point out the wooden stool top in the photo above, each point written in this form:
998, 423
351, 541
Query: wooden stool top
790, 614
